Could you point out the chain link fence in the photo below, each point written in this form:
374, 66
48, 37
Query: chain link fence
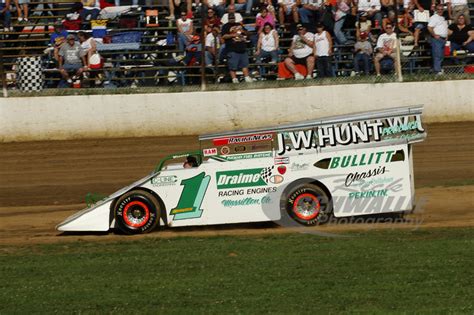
144, 72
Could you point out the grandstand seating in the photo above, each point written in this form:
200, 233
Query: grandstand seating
152, 64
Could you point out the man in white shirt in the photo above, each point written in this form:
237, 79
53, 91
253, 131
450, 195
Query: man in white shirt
231, 10
213, 45
386, 47
301, 52
438, 28
458, 7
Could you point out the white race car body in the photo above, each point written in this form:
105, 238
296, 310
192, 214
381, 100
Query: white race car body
363, 161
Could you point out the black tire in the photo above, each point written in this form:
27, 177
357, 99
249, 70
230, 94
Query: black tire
309, 205
137, 212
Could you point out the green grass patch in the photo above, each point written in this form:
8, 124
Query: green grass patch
397, 271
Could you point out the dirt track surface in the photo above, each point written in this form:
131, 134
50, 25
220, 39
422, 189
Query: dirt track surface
41, 183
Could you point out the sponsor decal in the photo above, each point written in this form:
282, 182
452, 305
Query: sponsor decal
281, 169
394, 129
369, 194
209, 152
276, 179
282, 160
247, 178
248, 201
189, 204
235, 157
357, 177
225, 150
248, 191
164, 180
354, 160
299, 167
240, 148
242, 139
241, 178
346, 133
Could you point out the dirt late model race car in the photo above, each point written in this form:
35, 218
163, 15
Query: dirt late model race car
340, 166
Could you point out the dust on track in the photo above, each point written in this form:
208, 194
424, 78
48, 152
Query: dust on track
41, 183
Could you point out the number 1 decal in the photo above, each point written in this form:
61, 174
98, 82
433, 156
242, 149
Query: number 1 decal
189, 204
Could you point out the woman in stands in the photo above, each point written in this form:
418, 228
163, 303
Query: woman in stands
88, 45
461, 35
267, 46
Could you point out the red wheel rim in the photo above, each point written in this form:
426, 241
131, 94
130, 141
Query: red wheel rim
306, 206
136, 214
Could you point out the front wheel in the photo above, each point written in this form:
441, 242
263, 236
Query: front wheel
137, 212
309, 205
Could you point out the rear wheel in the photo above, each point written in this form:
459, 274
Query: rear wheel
137, 212
309, 205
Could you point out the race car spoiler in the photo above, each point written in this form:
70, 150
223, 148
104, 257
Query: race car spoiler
396, 112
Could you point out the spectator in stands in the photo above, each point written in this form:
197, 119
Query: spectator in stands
231, 10
457, 8
177, 3
287, 9
212, 19
267, 46
421, 5
242, 5
91, 8
405, 23
323, 51
235, 36
461, 35
71, 59
363, 25
213, 45
22, 10
185, 31
386, 47
363, 51
264, 17
193, 51
5, 14
58, 38
438, 28
218, 7
301, 52
269, 5
88, 45
372, 9
308, 10
341, 10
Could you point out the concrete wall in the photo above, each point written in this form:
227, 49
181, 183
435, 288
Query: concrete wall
68, 117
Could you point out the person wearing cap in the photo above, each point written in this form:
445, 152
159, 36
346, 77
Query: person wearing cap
301, 52
363, 25
363, 51
235, 37
71, 59
438, 28
57, 39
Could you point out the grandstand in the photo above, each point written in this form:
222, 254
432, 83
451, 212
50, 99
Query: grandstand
150, 59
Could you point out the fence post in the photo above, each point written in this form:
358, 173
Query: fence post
2, 73
398, 64
203, 46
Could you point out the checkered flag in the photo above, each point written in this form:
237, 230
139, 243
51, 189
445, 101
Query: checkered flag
266, 173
